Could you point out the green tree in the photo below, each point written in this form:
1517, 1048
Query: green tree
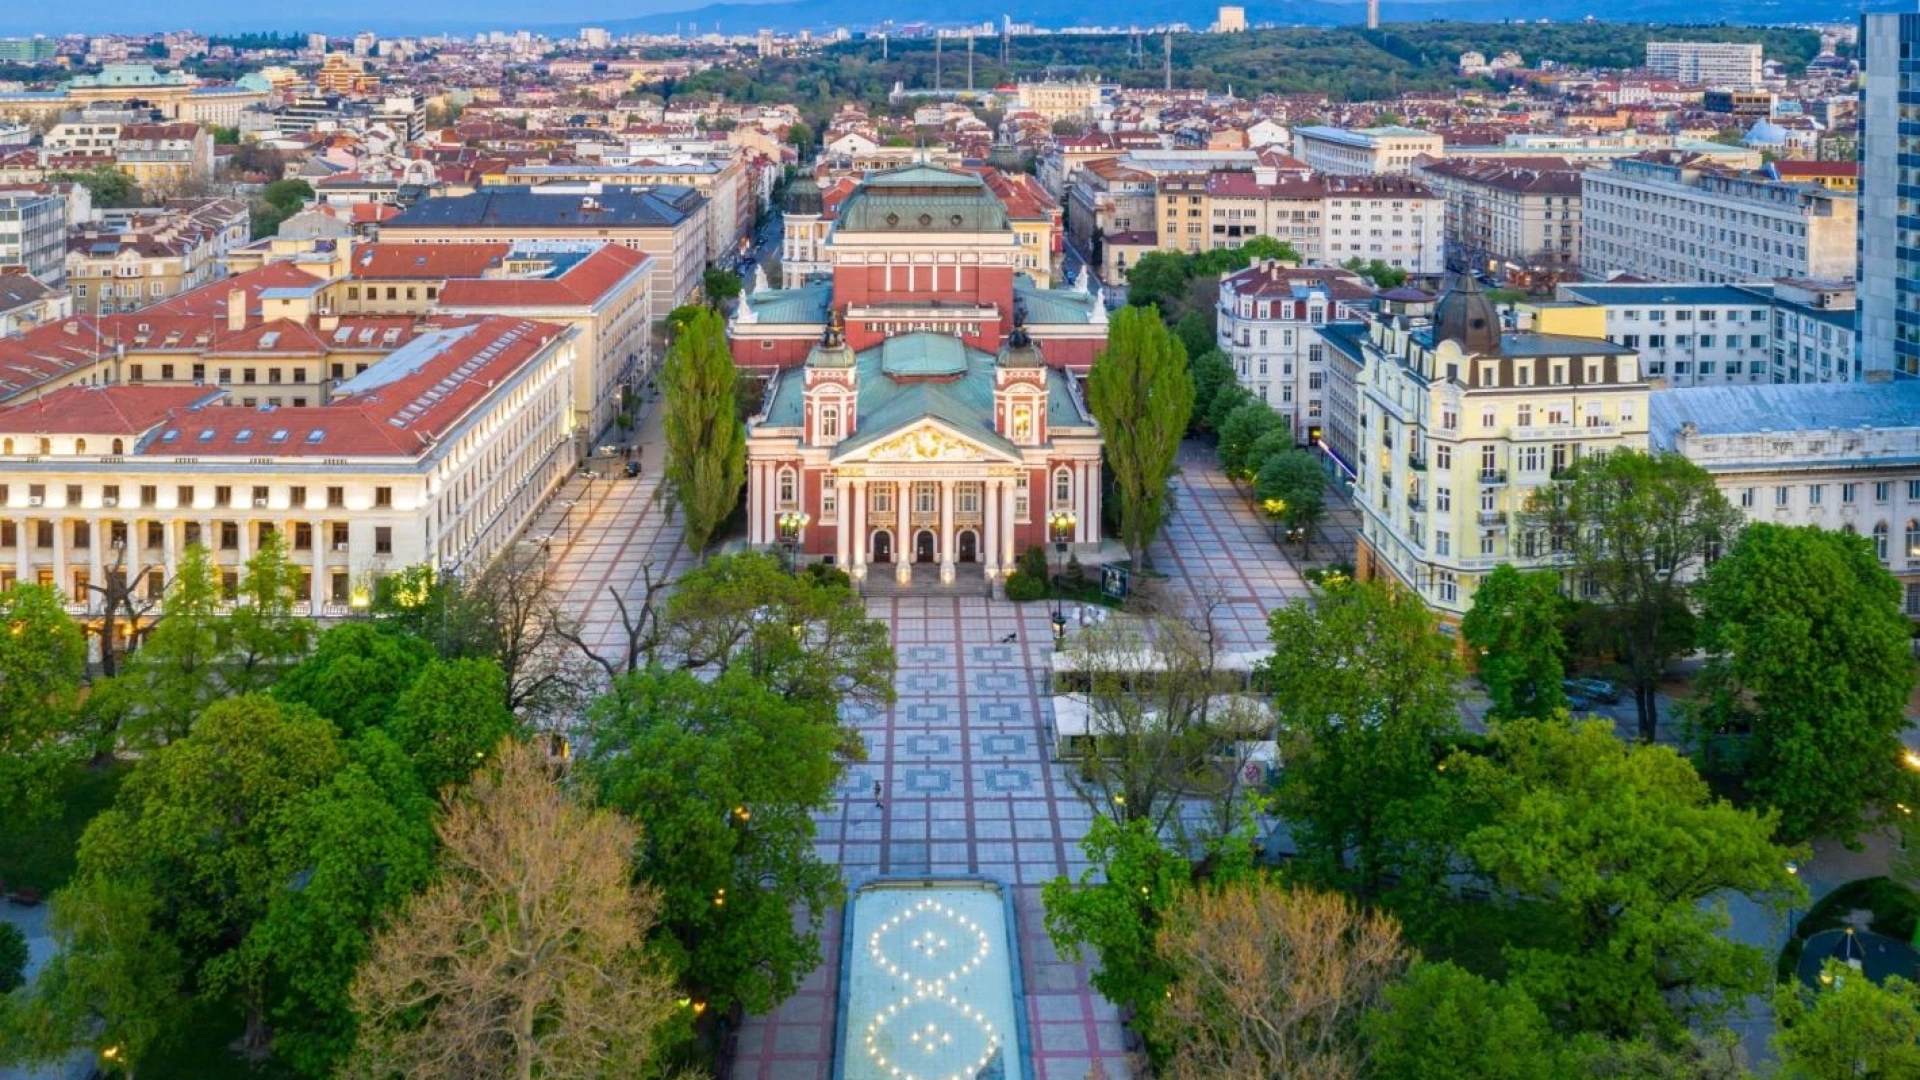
1809, 651
287, 196
454, 712
720, 286
1196, 334
352, 851
108, 186
706, 442
1637, 526
357, 672
1212, 373
42, 658
1159, 281
803, 140
1383, 275
1852, 1027
1298, 480
13, 957
1260, 248
1362, 684
1226, 400
729, 842
1142, 395
182, 864
807, 637
1514, 630
177, 671
1630, 857
1245, 426
1118, 905
262, 637
1441, 1022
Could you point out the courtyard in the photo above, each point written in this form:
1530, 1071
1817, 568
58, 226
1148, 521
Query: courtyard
960, 763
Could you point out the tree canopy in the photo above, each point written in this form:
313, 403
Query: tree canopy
1514, 628
1810, 654
706, 442
1142, 394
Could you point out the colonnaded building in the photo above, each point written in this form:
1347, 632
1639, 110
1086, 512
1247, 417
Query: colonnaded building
925, 410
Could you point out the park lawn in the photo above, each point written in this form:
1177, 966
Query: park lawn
42, 855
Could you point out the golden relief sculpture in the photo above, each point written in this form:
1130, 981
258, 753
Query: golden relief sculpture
924, 444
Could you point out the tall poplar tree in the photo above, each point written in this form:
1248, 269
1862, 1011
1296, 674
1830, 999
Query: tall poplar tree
706, 443
1142, 394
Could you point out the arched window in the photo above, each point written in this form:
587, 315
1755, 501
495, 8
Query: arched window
829, 423
79, 446
1062, 486
6, 447
789, 487
1880, 541
46, 447
119, 446
1022, 422
1913, 539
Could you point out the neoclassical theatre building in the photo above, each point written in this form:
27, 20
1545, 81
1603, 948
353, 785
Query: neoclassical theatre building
925, 415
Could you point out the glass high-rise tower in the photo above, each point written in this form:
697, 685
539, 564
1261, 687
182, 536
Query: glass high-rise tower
1889, 266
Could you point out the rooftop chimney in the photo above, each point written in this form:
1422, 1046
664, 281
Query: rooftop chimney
237, 309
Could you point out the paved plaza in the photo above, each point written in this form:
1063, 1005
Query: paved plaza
967, 784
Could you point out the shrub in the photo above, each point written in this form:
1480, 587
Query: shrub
13, 957
1022, 586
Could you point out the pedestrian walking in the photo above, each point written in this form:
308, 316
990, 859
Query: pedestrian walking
878, 802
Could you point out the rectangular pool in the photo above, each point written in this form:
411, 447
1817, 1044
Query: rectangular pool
929, 984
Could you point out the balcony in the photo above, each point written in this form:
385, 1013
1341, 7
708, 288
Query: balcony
1416, 504
1417, 462
1493, 519
1493, 476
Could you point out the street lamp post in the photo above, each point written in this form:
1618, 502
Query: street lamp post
791, 524
1060, 523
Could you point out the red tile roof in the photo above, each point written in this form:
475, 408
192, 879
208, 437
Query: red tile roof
104, 410
584, 283
418, 261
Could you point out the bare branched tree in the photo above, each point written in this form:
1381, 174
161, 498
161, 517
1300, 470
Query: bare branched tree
120, 596
1270, 981
639, 622
527, 958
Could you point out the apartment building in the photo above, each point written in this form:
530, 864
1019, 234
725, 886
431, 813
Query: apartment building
1722, 65
1889, 250
1843, 457
1461, 421
1364, 151
1516, 219
33, 234
134, 259
439, 455
1270, 317
725, 183
1789, 331
1330, 220
1668, 216
667, 223
1109, 197
1061, 100
26, 303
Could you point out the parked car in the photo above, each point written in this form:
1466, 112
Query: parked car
1577, 698
1597, 689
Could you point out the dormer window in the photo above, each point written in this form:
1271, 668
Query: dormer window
829, 423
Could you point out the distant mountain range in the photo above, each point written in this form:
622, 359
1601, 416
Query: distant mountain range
789, 15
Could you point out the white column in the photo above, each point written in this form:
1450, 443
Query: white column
946, 532
22, 558
990, 533
1007, 523
903, 551
756, 491
316, 590
843, 529
1079, 503
169, 545
60, 557
1093, 501
858, 512
94, 542
246, 543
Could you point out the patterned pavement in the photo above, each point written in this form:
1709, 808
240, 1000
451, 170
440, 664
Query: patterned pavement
967, 784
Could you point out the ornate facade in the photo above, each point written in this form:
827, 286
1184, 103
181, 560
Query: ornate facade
924, 407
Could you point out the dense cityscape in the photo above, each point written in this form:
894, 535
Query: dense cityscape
961, 549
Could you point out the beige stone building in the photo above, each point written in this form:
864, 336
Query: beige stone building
1460, 422
1364, 151
1518, 220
